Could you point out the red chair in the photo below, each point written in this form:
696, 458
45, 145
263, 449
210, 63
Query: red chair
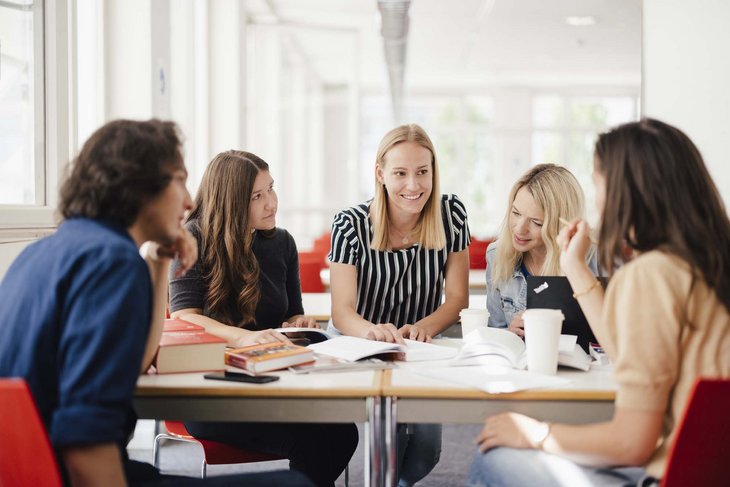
478, 253
310, 266
699, 455
26, 456
215, 453
322, 243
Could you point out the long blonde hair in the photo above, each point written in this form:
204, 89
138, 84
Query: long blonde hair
430, 228
226, 250
559, 195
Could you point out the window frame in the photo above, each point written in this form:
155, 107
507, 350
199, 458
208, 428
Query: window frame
53, 123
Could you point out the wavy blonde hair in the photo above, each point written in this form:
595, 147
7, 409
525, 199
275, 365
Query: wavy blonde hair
430, 228
559, 195
222, 212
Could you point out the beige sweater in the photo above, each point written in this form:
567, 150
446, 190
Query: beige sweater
661, 339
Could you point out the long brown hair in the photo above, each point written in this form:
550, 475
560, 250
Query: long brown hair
659, 195
430, 227
559, 195
222, 213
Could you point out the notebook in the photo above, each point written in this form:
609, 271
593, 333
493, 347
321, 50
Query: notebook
554, 292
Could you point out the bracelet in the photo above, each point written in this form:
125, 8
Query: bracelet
539, 443
586, 291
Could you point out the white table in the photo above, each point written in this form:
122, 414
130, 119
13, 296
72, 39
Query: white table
412, 398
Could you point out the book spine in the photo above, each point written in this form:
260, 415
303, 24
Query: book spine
239, 362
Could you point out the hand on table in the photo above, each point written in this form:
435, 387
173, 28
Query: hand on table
413, 332
384, 332
262, 336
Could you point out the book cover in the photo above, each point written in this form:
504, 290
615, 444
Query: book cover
174, 324
268, 356
189, 351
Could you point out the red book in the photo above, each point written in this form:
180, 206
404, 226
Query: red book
190, 351
268, 356
174, 324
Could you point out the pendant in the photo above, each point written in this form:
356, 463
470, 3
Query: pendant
405, 239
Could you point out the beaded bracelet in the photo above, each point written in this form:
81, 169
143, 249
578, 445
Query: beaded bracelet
586, 291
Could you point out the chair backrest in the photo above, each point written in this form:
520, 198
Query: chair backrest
26, 456
699, 455
478, 253
310, 266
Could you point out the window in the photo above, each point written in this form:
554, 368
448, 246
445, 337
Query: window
21, 104
565, 129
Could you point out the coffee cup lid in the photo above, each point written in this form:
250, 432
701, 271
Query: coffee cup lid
545, 312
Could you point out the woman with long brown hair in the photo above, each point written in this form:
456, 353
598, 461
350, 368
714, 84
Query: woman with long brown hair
245, 285
664, 319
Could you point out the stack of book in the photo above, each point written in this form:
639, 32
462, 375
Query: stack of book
186, 347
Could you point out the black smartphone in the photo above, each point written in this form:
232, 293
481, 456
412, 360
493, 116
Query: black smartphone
239, 377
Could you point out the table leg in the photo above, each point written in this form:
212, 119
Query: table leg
391, 436
374, 443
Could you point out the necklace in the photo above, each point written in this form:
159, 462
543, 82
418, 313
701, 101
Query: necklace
405, 238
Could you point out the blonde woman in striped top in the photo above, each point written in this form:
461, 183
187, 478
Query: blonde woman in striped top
392, 259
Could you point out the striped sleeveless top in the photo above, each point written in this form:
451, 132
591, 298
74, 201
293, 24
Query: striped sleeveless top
399, 286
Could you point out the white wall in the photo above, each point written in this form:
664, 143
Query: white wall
686, 75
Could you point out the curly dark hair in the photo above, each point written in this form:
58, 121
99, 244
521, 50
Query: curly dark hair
122, 166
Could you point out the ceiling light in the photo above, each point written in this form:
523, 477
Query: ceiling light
580, 20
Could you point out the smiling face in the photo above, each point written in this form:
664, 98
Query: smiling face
264, 203
525, 223
407, 173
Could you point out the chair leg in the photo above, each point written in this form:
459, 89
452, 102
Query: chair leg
204, 470
156, 452
347, 475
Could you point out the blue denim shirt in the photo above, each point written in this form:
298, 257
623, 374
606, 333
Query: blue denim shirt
506, 299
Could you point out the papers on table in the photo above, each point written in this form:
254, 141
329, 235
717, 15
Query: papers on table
420, 351
494, 380
353, 348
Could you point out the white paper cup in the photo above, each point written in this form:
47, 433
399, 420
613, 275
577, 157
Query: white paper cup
542, 337
473, 319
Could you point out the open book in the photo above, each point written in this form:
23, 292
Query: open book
353, 348
497, 346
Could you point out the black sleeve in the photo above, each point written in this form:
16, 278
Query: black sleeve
293, 284
190, 290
